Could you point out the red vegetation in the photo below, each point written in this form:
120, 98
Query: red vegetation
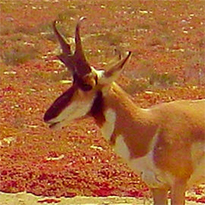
165, 36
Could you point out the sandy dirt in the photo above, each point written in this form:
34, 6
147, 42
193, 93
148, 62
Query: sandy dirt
30, 199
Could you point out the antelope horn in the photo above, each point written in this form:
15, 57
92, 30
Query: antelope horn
64, 46
78, 44
82, 65
77, 61
66, 56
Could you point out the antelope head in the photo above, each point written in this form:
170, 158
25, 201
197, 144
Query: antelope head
87, 85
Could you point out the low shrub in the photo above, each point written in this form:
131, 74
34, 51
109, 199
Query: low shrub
19, 53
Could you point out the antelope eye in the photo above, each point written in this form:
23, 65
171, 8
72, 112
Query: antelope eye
88, 84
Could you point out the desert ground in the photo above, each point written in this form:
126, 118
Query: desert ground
167, 39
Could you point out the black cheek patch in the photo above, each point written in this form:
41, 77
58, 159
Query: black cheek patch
59, 104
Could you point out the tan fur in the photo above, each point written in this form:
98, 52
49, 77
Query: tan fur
135, 124
172, 160
181, 124
164, 144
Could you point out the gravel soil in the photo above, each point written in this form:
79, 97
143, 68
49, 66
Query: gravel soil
30, 199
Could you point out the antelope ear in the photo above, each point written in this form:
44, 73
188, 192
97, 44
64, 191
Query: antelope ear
114, 71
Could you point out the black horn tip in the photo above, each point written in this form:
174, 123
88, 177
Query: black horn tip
129, 53
54, 23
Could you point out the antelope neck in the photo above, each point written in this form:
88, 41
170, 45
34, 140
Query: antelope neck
117, 115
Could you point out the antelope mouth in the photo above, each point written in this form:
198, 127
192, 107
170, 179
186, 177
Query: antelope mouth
54, 125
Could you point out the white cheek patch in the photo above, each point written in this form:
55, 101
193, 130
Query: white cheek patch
73, 111
109, 125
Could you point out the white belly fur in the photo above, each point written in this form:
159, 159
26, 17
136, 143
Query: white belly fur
198, 157
154, 177
144, 166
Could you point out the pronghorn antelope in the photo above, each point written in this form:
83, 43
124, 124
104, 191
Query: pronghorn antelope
164, 144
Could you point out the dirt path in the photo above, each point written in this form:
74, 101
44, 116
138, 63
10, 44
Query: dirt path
30, 199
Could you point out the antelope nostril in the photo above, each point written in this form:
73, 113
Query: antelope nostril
53, 125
